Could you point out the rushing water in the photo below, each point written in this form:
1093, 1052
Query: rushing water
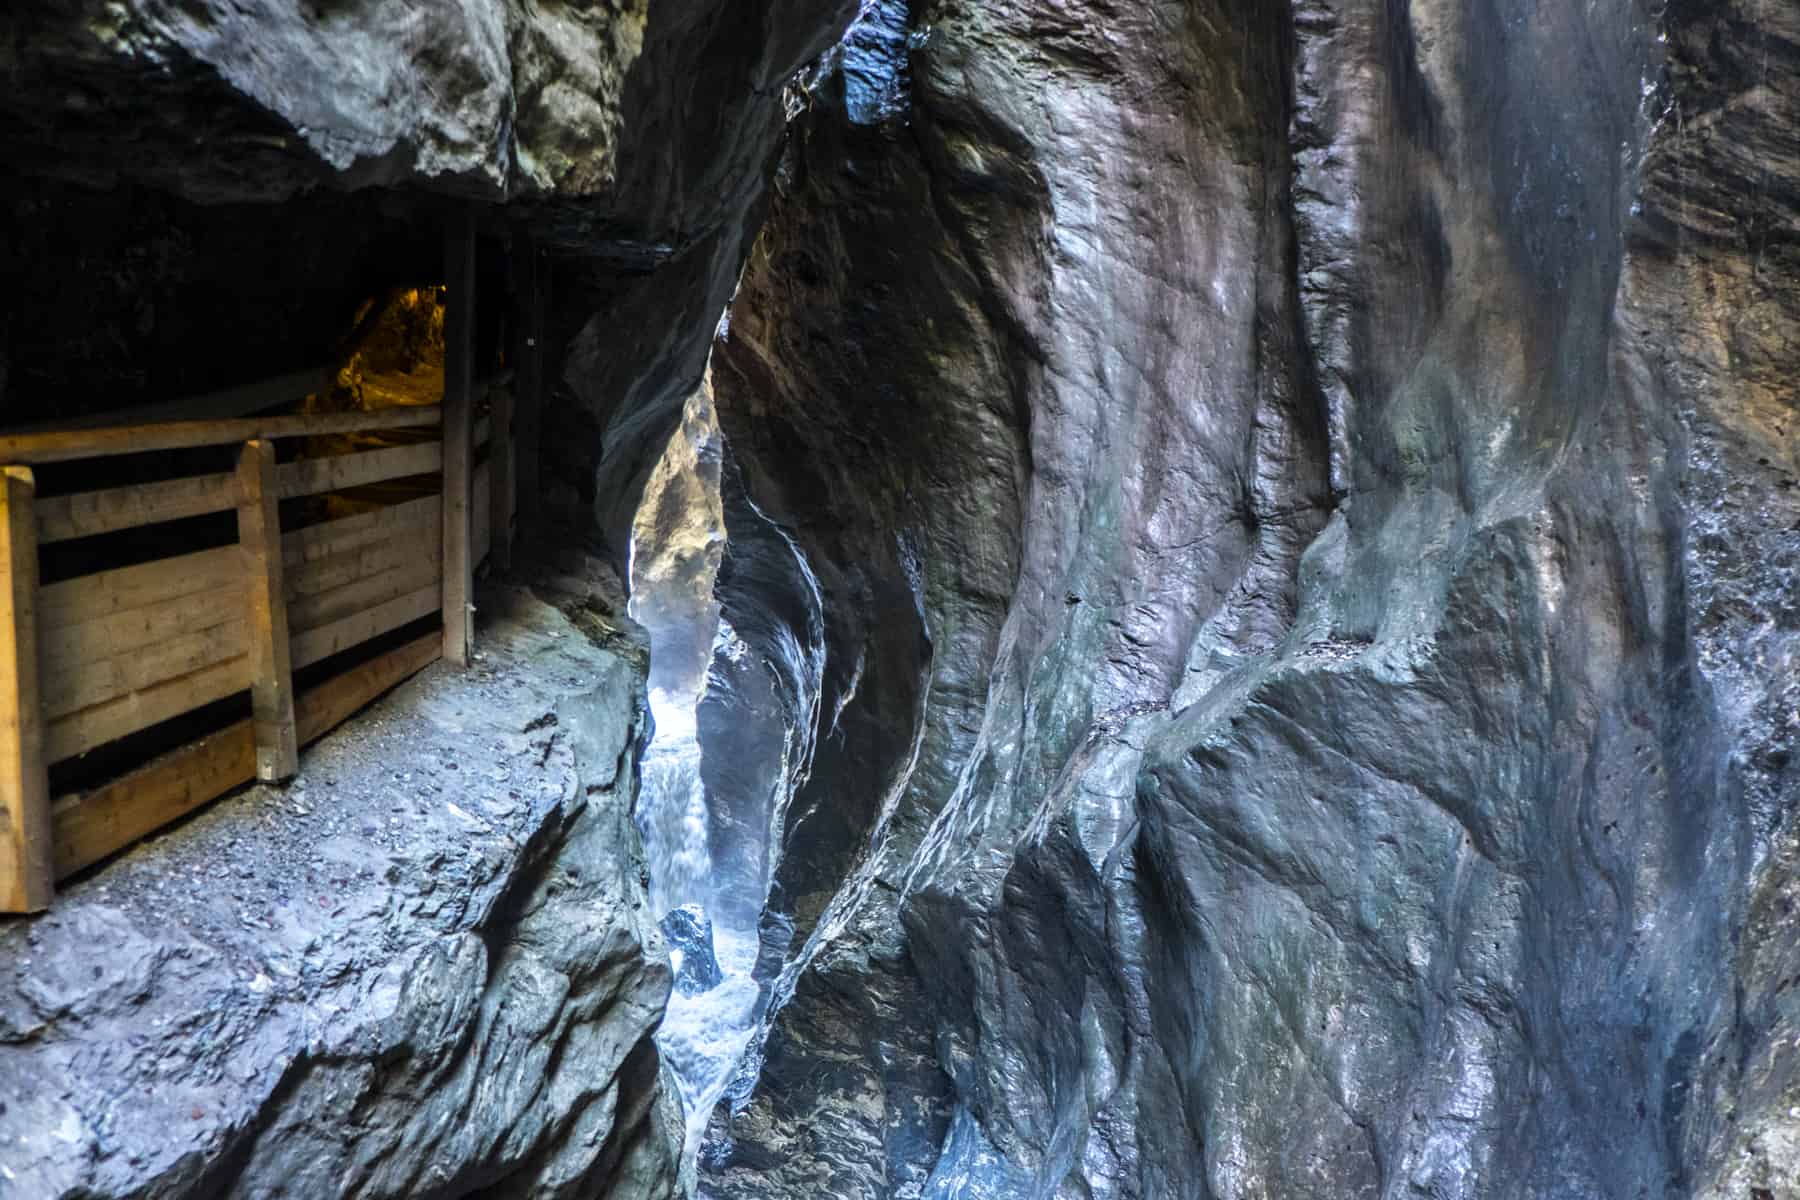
770, 692
703, 1034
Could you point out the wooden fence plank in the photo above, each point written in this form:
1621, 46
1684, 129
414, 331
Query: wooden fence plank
404, 577
310, 476
364, 562
90, 826
316, 644
99, 680
88, 513
459, 334
81, 731
125, 589
71, 650
315, 543
62, 445
324, 707
25, 855
271, 672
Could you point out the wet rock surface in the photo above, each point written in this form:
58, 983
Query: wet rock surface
1341, 460
1265, 537
425, 968
689, 931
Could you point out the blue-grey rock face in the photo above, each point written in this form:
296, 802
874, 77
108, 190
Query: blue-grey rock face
1345, 457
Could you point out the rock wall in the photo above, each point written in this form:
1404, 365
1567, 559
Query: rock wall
1344, 461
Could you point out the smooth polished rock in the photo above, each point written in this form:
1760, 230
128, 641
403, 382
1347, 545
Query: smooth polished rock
1341, 455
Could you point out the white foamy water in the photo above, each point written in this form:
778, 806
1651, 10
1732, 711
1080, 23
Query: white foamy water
702, 1036
694, 650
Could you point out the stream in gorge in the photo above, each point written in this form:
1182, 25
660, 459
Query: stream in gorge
712, 837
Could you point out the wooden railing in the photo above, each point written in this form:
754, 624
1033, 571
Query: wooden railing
89, 660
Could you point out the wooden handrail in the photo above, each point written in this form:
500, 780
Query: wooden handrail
63, 445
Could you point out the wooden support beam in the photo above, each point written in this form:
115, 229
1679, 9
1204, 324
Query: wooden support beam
91, 825
531, 282
271, 670
500, 479
64, 445
25, 874
459, 406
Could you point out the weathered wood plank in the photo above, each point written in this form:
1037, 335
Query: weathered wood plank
271, 672
88, 513
316, 644
88, 597
405, 576
62, 445
89, 826
323, 708
25, 856
310, 476
346, 534
96, 681
81, 731
363, 562
459, 331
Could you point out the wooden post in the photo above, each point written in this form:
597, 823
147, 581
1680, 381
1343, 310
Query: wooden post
25, 858
271, 664
459, 464
500, 478
531, 284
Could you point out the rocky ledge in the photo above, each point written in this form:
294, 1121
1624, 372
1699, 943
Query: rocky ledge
424, 969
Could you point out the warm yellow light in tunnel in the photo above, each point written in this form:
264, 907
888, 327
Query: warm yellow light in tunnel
393, 358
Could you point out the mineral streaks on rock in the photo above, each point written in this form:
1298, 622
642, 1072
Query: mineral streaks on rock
427, 969
1352, 489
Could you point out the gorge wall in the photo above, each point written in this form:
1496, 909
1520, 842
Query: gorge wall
1263, 542
1344, 461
